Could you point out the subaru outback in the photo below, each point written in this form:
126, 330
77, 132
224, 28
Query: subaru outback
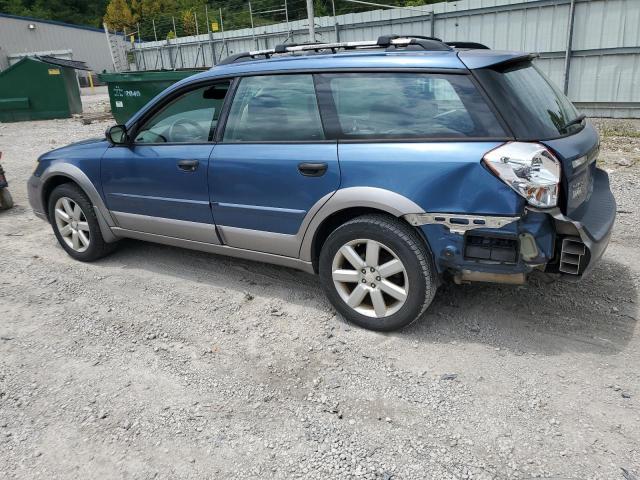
386, 167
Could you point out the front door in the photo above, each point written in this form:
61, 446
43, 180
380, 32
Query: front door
158, 184
272, 165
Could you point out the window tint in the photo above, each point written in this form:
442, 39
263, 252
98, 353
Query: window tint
542, 109
191, 118
274, 108
408, 105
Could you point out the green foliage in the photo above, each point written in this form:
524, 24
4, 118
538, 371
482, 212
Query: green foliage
130, 14
80, 12
119, 16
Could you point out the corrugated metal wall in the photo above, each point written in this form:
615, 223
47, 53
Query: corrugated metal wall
605, 62
86, 44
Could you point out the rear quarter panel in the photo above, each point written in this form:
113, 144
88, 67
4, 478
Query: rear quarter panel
445, 177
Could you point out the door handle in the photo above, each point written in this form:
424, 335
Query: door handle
312, 169
188, 165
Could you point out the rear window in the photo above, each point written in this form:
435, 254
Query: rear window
409, 105
535, 107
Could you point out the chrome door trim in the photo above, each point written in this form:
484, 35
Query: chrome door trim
196, 231
216, 249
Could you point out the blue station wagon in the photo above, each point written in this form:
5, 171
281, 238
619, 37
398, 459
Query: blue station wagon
386, 167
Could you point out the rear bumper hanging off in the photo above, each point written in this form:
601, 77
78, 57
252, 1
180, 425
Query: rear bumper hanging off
505, 249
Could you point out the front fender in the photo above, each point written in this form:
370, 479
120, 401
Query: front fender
73, 173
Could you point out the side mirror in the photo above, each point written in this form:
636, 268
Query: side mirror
117, 135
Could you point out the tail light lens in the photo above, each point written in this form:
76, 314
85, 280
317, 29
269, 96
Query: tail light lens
529, 169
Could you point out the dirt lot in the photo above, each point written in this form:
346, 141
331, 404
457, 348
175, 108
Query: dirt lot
164, 363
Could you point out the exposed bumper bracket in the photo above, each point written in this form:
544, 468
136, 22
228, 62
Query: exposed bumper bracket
457, 223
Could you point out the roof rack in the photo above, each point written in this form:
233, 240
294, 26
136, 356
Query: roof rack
385, 41
413, 42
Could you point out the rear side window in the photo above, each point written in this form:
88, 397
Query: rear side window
534, 106
409, 105
274, 108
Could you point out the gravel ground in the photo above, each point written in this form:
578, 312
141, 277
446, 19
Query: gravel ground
158, 362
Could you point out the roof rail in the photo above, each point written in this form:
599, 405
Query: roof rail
384, 41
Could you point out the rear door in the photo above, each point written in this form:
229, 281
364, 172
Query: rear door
272, 164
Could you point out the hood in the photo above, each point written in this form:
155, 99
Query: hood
71, 150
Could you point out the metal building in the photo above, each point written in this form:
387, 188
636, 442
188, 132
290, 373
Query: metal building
23, 36
591, 48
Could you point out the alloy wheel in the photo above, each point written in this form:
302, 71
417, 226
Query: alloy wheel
72, 224
370, 278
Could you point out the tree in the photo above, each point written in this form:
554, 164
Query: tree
119, 15
188, 22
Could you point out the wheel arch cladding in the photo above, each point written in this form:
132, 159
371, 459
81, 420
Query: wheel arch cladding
48, 186
73, 174
347, 204
62, 173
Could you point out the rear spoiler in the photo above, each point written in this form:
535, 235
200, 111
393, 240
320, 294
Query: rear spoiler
492, 58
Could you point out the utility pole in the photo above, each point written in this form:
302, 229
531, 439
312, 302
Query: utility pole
335, 20
253, 32
200, 49
224, 42
160, 53
286, 18
312, 24
174, 62
567, 54
213, 52
135, 55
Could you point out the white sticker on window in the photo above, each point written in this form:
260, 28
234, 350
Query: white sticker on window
119, 104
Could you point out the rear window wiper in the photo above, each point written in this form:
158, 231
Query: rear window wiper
575, 121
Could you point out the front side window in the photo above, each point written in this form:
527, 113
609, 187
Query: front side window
190, 118
274, 108
409, 105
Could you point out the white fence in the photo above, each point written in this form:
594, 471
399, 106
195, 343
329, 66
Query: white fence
602, 75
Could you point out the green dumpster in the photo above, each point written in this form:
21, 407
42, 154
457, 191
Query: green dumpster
130, 91
40, 88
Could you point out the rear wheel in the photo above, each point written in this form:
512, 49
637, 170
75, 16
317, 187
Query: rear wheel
377, 272
75, 224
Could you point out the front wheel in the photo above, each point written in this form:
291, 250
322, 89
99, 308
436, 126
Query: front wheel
75, 224
377, 272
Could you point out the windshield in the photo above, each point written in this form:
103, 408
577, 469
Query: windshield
534, 106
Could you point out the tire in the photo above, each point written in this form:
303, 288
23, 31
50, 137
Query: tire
396, 241
6, 201
85, 226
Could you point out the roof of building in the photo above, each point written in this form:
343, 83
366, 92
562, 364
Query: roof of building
52, 22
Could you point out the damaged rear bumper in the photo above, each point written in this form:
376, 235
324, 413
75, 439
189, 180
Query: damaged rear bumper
505, 249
